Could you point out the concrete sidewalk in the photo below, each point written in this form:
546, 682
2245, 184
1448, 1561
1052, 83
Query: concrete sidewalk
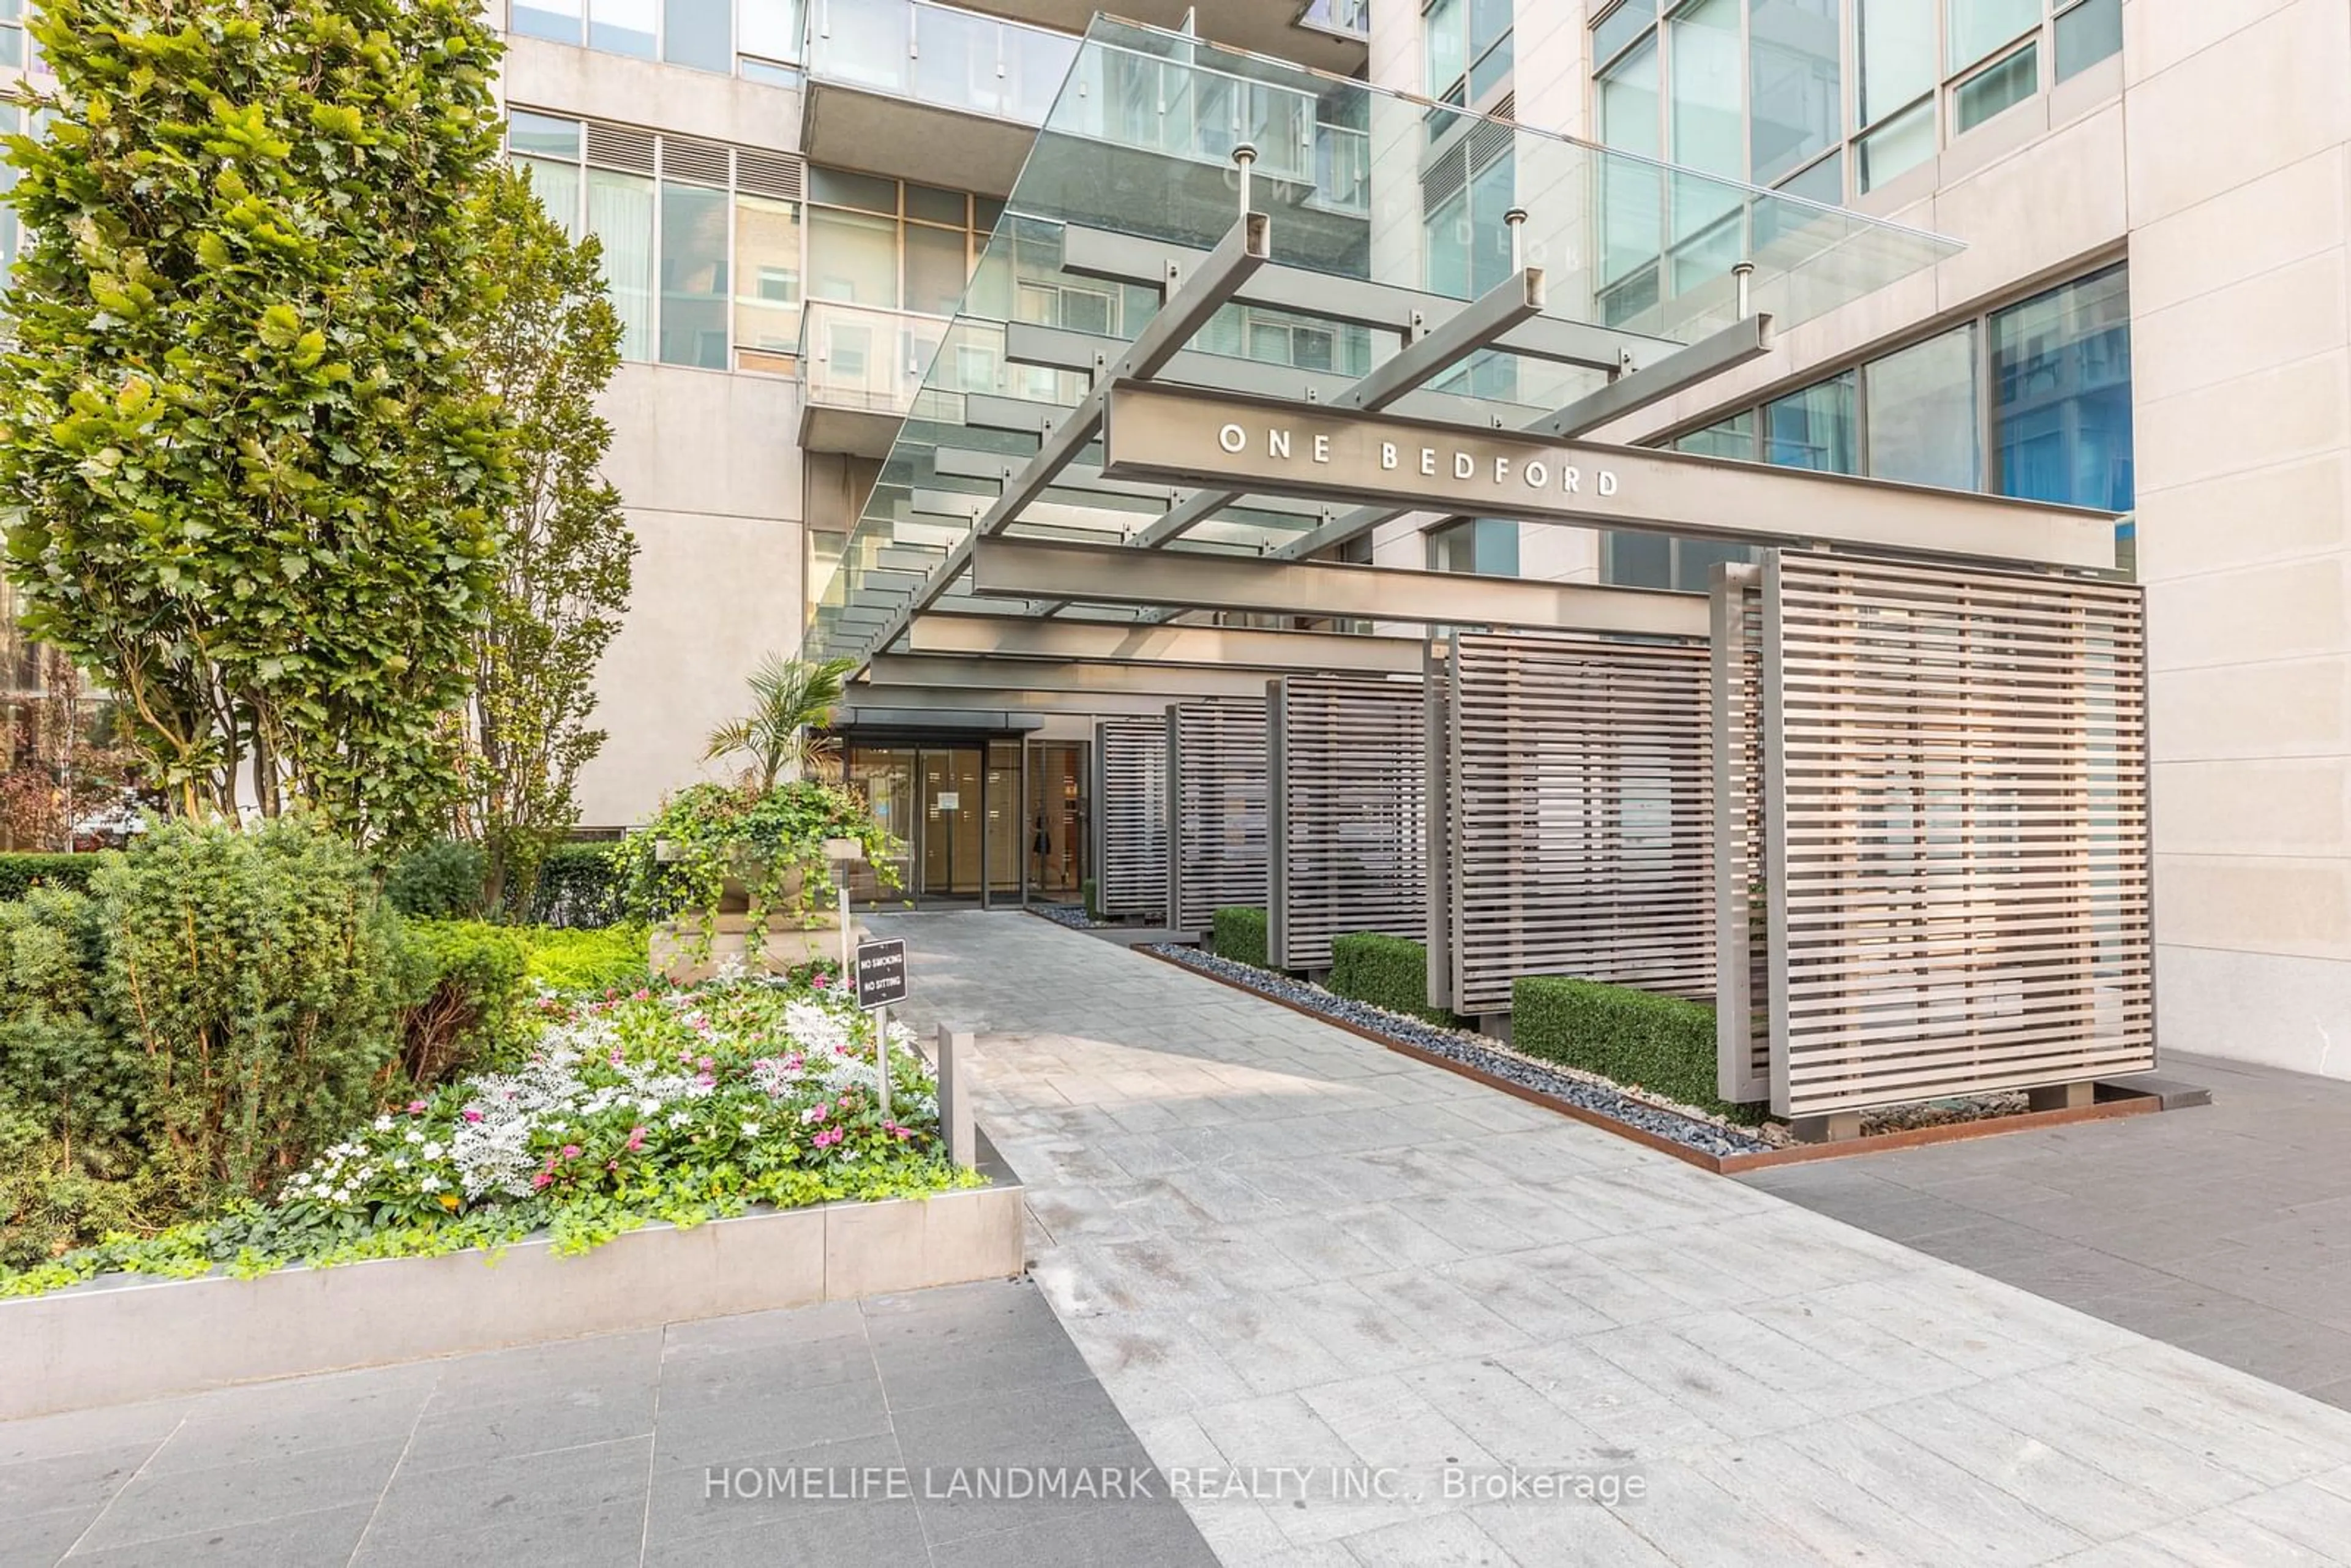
1282, 1247
2225, 1229
690, 1446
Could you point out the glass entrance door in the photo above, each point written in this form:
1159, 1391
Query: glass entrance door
954, 818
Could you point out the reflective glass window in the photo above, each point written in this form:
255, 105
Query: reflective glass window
938, 265
2060, 388
767, 274
1896, 42
1814, 428
2000, 86
769, 28
699, 33
2087, 34
557, 19
1447, 43
1923, 417
1632, 216
1733, 438
695, 291
1977, 27
622, 27
620, 213
852, 256
557, 186
1621, 27
1795, 105
1897, 146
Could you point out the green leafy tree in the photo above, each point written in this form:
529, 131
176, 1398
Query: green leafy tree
546, 341
254, 475
790, 700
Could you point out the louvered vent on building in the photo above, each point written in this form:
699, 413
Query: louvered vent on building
620, 147
694, 160
768, 174
1441, 179
1488, 141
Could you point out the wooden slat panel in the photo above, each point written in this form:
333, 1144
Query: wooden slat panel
1580, 817
1216, 794
1131, 814
1957, 836
1347, 774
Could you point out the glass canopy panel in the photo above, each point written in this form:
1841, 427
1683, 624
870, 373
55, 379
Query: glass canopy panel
1133, 166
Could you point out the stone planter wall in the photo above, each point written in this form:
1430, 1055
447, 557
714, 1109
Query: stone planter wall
119, 1340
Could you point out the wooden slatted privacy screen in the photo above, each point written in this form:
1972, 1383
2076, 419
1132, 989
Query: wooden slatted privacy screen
1131, 818
1345, 770
1742, 993
1580, 817
1957, 850
1215, 796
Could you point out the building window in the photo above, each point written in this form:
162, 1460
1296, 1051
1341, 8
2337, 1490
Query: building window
1758, 90
2054, 370
2061, 376
1920, 414
759, 38
1467, 48
703, 242
1486, 546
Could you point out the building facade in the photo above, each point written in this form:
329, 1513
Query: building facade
2149, 316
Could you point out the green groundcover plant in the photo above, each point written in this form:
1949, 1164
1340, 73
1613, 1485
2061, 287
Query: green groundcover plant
674, 1106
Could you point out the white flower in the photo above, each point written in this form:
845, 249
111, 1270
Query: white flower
432, 1151
430, 1184
383, 1123
648, 1106
750, 1129
415, 1136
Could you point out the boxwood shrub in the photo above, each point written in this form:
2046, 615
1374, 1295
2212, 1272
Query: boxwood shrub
1238, 932
1389, 972
20, 873
1663, 1044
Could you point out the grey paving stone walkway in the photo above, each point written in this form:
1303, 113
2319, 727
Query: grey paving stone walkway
1282, 1247
676, 1447
2225, 1229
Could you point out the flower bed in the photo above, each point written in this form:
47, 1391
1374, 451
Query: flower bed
660, 1105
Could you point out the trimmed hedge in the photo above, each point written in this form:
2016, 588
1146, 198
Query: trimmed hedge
578, 889
1238, 932
1086, 897
20, 873
1389, 972
1662, 1044
462, 988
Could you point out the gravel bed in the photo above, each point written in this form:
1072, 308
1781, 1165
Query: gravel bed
1072, 916
1486, 1056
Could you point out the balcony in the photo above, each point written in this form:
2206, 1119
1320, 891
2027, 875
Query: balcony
927, 92
862, 367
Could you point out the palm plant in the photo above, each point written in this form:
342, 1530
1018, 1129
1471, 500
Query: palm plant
790, 700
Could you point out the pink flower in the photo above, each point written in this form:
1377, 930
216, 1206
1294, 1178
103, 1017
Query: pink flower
818, 981
705, 1064
571, 1151
541, 1180
636, 1139
416, 1107
642, 997
472, 1114
706, 1080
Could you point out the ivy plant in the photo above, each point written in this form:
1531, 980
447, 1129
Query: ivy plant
252, 472
772, 842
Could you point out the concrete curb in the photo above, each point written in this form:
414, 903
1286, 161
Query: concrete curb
130, 1338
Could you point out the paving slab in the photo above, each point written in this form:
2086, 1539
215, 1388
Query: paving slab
1485, 1287
688, 1445
2224, 1229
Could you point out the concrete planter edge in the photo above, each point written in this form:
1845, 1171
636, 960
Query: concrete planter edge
128, 1338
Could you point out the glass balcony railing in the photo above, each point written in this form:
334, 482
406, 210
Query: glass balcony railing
938, 54
1347, 18
868, 357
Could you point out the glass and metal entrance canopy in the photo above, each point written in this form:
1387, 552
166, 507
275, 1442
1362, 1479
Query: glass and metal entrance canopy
1237, 313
